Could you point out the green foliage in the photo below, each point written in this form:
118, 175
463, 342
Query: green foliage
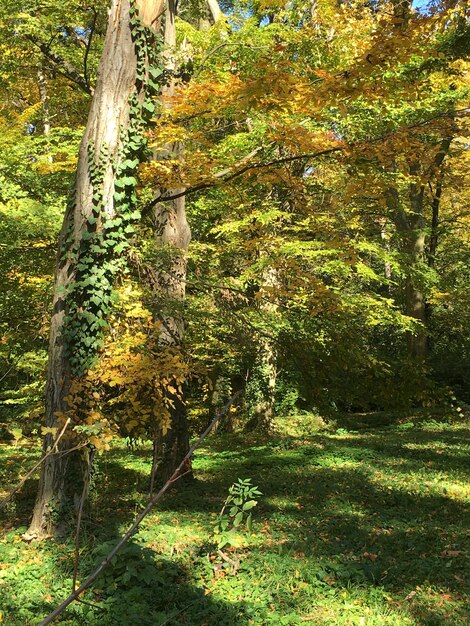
236, 511
352, 522
128, 569
30, 213
100, 255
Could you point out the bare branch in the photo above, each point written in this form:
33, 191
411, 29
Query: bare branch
63, 66
227, 174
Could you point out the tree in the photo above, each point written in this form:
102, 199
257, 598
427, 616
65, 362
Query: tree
291, 209
173, 235
97, 223
372, 110
41, 117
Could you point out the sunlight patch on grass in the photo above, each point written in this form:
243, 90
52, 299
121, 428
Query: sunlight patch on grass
353, 529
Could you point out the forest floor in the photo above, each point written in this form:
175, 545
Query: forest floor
364, 524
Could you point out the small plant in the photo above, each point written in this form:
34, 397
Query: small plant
236, 512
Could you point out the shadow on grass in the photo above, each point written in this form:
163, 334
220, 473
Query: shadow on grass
339, 512
342, 514
141, 587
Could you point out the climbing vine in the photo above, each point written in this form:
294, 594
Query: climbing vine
100, 256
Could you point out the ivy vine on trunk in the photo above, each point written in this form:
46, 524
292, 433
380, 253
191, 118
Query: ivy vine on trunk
97, 225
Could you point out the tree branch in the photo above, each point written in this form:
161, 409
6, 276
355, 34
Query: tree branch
88, 46
224, 176
220, 177
215, 10
64, 67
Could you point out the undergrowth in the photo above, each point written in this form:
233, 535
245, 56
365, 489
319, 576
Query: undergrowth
356, 526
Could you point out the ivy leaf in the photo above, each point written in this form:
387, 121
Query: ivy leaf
130, 164
121, 247
149, 107
155, 71
128, 181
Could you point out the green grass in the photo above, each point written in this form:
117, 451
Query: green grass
364, 527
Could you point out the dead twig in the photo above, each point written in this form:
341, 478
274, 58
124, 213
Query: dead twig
235, 564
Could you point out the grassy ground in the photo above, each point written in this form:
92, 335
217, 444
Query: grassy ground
364, 527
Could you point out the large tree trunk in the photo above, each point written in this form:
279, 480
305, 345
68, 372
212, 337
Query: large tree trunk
92, 202
173, 236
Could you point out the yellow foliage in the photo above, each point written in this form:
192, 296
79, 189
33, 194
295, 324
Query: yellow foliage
132, 389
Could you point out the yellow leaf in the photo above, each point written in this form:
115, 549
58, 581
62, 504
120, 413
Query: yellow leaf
48, 431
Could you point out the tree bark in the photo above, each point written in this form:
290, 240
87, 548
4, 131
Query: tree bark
433, 239
410, 226
62, 474
265, 370
42, 83
263, 419
173, 235
214, 9
415, 303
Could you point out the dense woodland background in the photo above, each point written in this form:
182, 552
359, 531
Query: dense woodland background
267, 219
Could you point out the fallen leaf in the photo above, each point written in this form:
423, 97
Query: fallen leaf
444, 598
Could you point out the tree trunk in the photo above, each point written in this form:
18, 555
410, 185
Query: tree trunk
93, 200
411, 226
265, 370
42, 83
264, 415
415, 237
214, 9
384, 236
173, 235
433, 239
